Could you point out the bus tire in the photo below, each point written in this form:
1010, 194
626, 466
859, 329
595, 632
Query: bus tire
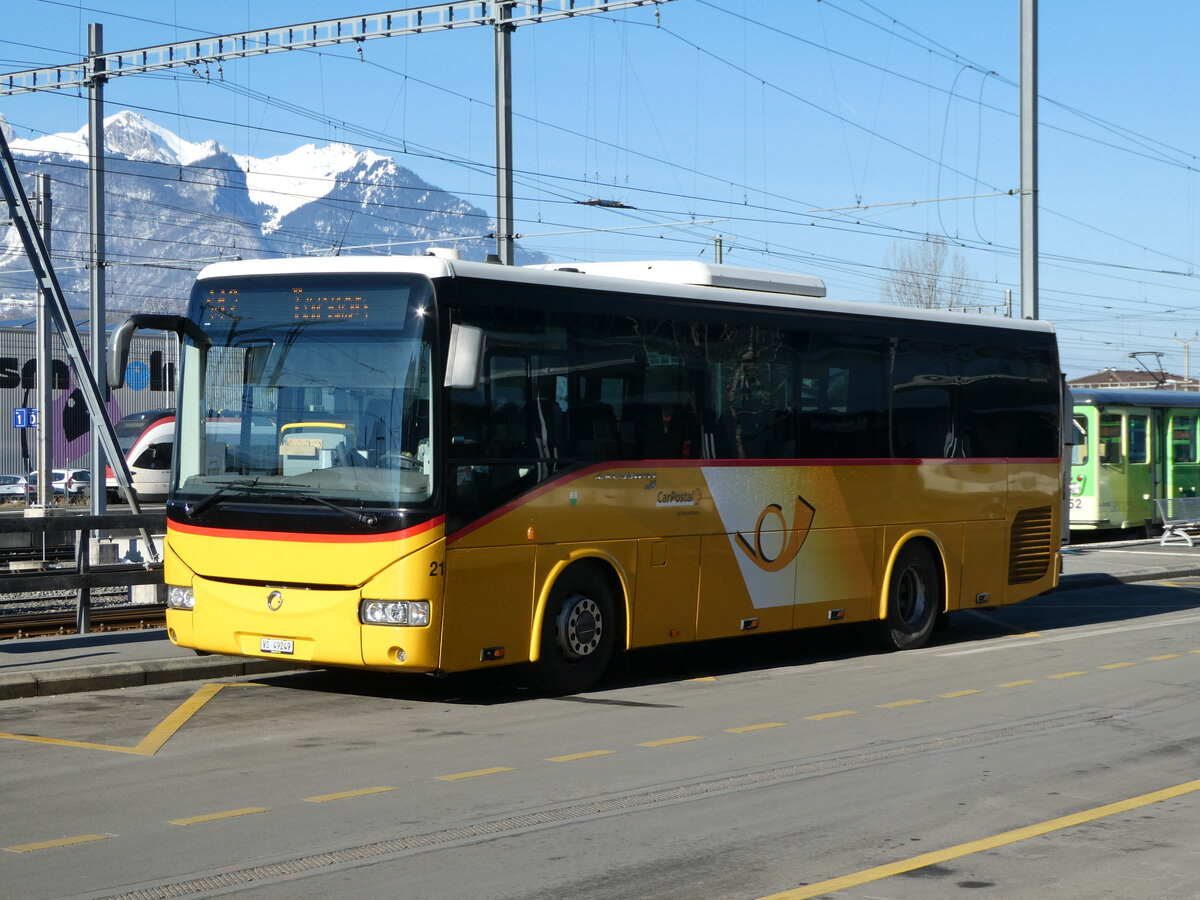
579, 629
914, 599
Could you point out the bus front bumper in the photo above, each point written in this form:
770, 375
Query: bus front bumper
309, 626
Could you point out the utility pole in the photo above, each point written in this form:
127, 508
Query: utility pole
719, 249
96, 335
503, 15
1029, 188
24, 221
1187, 371
45, 356
504, 177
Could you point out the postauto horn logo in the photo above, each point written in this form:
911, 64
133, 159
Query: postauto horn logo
795, 536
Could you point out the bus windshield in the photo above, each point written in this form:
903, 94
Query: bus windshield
311, 387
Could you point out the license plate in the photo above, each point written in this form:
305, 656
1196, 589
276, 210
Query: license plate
276, 645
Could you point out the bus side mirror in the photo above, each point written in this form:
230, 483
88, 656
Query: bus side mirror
118, 345
465, 359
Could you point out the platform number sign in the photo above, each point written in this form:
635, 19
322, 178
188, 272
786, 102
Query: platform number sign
25, 417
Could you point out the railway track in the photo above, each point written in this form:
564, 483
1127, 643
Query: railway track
119, 618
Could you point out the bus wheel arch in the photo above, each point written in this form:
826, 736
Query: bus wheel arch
579, 627
914, 594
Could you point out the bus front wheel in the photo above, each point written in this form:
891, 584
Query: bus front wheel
578, 632
914, 599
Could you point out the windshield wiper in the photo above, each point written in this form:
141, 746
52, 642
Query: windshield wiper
368, 519
204, 503
252, 486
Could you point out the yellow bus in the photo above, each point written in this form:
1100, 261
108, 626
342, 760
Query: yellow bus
422, 464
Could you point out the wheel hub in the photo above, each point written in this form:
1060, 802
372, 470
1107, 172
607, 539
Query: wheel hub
580, 627
911, 596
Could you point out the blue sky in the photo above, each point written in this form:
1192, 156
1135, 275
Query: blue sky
820, 133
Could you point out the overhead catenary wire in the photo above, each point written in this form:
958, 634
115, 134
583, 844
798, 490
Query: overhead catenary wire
859, 225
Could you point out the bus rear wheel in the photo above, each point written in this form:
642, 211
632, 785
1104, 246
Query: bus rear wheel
578, 632
914, 599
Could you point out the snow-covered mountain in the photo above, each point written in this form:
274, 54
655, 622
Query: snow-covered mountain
173, 204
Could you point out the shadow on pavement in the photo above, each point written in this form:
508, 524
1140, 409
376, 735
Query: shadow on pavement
756, 653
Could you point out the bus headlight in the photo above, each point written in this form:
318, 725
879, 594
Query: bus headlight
179, 597
414, 613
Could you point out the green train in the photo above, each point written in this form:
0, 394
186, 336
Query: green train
1131, 447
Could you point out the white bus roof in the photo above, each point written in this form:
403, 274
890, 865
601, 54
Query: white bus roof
677, 279
682, 271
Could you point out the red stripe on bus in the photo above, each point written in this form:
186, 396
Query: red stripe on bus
239, 534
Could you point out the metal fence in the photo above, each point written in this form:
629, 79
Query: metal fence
94, 543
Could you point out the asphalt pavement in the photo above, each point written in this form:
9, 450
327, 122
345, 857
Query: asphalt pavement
34, 667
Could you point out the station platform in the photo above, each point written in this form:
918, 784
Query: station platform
35, 667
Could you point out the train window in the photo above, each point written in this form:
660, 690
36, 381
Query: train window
1183, 439
1079, 452
1110, 439
1138, 443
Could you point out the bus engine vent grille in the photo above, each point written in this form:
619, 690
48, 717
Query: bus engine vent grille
1031, 545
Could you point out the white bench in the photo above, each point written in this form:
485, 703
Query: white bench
1180, 519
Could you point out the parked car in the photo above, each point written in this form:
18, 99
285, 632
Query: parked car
69, 483
79, 482
12, 487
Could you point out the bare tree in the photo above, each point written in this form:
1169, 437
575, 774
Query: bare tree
927, 275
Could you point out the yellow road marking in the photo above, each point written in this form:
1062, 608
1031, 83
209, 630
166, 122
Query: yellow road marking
61, 842
701, 678
345, 795
163, 731
1120, 665
1066, 674
833, 715
213, 817
1164, 656
151, 743
1018, 683
969, 848
587, 754
895, 704
675, 740
953, 694
459, 776
743, 729
61, 742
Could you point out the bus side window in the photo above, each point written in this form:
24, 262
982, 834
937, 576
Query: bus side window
753, 389
840, 393
925, 394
